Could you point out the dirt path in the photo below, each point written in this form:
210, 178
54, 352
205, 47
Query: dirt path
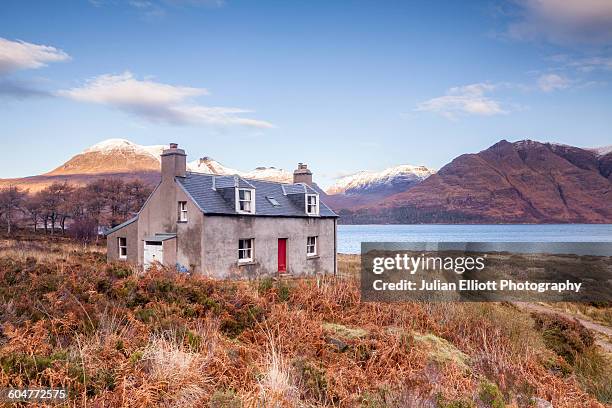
604, 333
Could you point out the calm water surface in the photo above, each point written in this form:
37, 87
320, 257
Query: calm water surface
351, 236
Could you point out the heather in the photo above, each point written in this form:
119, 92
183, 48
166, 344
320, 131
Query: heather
115, 336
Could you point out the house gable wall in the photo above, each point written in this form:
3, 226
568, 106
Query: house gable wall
160, 215
130, 233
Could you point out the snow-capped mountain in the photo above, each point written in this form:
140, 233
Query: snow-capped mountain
602, 151
123, 159
391, 180
118, 145
209, 165
114, 156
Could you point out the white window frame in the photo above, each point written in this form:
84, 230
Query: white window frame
316, 204
250, 250
182, 207
122, 247
314, 245
251, 201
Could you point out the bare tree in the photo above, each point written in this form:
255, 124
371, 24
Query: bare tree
33, 206
133, 197
114, 197
53, 200
101, 202
11, 201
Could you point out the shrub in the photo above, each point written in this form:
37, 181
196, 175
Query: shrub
145, 315
491, 395
461, 403
242, 320
283, 290
119, 271
29, 366
225, 399
312, 379
193, 340
265, 285
594, 372
566, 337
83, 229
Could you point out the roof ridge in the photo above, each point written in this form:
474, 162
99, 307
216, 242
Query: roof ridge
245, 178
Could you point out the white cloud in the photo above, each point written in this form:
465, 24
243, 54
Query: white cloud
553, 82
564, 21
157, 102
17, 55
469, 99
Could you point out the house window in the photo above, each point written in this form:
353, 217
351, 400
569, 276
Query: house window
246, 200
311, 246
122, 242
182, 207
312, 204
245, 250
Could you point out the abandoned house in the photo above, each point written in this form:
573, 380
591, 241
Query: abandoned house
227, 226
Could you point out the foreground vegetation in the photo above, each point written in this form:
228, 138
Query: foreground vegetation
115, 337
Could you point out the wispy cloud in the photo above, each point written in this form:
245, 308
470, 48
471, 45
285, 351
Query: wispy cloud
18, 55
158, 102
470, 99
564, 21
157, 9
553, 82
588, 64
149, 10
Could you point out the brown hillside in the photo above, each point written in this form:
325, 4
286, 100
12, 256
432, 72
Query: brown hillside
522, 182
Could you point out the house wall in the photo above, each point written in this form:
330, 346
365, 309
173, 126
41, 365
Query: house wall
220, 245
160, 215
208, 244
130, 232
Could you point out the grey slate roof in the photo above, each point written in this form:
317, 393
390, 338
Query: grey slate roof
200, 187
231, 182
118, 227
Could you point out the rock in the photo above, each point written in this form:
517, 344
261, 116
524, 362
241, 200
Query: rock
337, 343
541, 403
344, 331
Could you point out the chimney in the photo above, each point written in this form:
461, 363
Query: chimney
302, 174
173, 163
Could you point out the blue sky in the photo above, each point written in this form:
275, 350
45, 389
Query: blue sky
343, 86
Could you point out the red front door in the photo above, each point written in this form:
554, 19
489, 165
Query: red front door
282, 254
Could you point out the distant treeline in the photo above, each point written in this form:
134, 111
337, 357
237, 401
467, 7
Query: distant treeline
411, 215
101, 203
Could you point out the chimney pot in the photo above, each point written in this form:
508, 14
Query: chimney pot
173, 162
302, 174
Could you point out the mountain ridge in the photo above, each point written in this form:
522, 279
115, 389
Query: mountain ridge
510, 182
521, 182
121, 158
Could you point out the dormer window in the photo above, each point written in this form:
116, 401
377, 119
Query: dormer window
245, 200
312, 204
